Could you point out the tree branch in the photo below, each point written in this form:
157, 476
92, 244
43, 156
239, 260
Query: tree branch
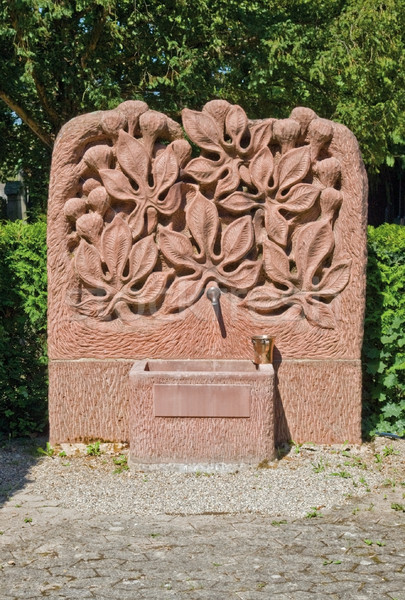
94, 39
50, 111
45, 137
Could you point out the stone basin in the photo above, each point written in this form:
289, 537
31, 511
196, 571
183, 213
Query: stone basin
203, 365
201, 411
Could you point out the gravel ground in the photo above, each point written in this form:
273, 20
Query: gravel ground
304, 479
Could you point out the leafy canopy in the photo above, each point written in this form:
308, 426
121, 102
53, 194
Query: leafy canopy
343, 58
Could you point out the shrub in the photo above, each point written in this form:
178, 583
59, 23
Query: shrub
23, 380
384, 335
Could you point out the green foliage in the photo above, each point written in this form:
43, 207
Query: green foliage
319, 467
121, 462
384, 338
343, 58
23, 388
361, 64
47, 451
313, 513
93, 449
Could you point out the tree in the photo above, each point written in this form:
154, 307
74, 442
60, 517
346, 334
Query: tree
343, 58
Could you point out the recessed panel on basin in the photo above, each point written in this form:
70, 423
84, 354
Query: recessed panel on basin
201, 400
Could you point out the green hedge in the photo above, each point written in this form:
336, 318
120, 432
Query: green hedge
23, 372
384, 333
23, 376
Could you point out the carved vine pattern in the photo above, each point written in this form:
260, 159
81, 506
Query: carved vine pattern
255, 213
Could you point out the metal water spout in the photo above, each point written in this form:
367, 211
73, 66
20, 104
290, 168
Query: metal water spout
213, 294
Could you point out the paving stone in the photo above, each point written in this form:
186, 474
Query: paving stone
202, 557
66, 594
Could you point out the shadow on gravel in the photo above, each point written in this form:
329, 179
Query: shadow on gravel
16, 459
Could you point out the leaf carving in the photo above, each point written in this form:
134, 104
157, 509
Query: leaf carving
142, 258
244, 277
183, 293
169, 204
263, 201
117, 185
204, 170
203, 222
334, 280
319, 314
236, 122
94, 307
266, 298
88, 265
177, 248
152, 291
314, 242
136, 221
276, 263
202, 129
239, 202
237, 240
165, 170
230, 179
133, 158
293, 167
300, 198
260, 134
276, 225
218, 110
116, 242
261, 169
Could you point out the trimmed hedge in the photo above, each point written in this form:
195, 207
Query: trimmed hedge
23, 360
384, 332
23, 374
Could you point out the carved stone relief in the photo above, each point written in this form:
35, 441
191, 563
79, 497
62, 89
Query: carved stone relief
145, 214
255, 212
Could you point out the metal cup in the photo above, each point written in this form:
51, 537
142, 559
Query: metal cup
263, 349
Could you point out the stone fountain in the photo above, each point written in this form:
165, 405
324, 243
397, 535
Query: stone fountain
164, 266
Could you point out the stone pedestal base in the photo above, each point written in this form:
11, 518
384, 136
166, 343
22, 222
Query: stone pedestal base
201, 411
89, 400
319, 401
315, 400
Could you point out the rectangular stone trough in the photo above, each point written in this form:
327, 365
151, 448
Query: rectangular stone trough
192, 411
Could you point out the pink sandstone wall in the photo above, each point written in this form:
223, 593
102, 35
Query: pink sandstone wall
273, 212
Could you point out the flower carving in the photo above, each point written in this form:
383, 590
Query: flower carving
199, 263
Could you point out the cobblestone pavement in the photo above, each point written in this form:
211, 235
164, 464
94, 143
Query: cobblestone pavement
352, 551
355, 552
